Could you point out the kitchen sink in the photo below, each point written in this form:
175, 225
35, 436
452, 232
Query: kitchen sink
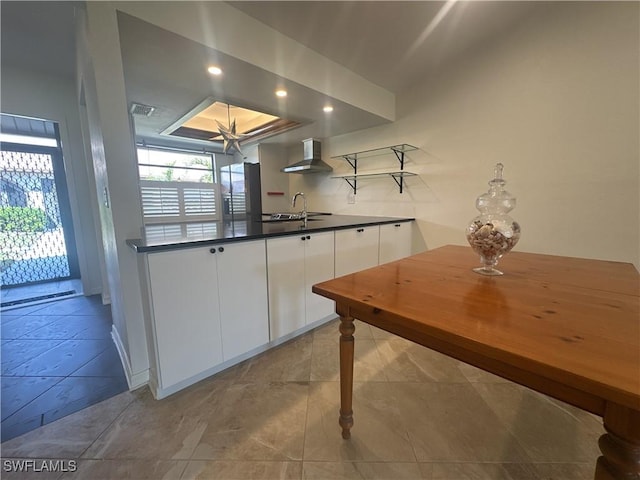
293, 217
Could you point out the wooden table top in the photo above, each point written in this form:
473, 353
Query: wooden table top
569, 321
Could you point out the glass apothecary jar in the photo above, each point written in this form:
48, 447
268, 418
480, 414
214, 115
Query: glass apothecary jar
493, 233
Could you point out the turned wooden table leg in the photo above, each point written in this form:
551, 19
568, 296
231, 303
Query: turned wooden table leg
620, 446
346, 371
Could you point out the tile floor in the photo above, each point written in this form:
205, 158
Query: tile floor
418, 415
57, 358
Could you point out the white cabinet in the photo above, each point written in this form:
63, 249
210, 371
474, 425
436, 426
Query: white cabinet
318, 267
242, 293
356, 249
395, 241
186, 313
209, 306
295, 264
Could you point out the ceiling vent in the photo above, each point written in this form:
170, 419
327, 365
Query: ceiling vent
141, 110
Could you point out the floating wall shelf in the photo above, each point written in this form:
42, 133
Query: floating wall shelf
397, 150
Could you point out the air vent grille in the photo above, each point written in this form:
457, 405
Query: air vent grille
142, 110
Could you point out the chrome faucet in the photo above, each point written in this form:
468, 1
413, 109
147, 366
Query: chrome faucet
303, 214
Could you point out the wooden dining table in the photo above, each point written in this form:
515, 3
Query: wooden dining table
566, 327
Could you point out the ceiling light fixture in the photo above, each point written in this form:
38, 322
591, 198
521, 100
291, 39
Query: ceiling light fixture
327, 109
213, 70
281, 93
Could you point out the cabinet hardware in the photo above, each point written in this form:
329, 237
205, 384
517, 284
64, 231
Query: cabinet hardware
221, 249
397, 225
212, 250
302, 238
360, 230
308, 237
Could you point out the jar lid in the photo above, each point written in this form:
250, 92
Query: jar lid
497, 199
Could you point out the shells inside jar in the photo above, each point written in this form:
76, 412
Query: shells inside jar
491, 239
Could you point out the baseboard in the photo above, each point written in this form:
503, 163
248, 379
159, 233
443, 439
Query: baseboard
134, 381
300, 331
106, 299
160, 393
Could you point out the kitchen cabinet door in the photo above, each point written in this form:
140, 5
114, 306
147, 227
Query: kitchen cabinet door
318, 267
356, 249
242, 290
186, 319
286, 280
395, 241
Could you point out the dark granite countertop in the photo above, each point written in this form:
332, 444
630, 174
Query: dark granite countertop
174, 236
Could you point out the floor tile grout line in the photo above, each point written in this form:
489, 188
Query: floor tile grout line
506, 425
306, 416
8, 374
34, 399
107, 427
50, 324
88, 361
55, 317
43, 414
384, 364
47, 351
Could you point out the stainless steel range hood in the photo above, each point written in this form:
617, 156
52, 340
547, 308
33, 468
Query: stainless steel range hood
311, 161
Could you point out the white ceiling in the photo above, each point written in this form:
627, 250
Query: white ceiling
393, 44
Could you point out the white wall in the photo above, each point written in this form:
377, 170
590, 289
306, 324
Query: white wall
115, 169
272, 159
41, 95
556, 101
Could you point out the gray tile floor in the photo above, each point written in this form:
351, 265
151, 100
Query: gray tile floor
57, 358
418, 415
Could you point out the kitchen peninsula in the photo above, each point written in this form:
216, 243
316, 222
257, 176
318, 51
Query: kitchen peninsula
217, 293
156, 238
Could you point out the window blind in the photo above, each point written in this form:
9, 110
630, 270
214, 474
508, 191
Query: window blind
170, 202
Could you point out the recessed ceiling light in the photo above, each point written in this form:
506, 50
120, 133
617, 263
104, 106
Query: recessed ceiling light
213, 70
281, 93
327, 109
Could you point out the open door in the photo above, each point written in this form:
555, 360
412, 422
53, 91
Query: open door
37, 242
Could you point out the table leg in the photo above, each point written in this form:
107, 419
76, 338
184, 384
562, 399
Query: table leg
620, 446
346, 372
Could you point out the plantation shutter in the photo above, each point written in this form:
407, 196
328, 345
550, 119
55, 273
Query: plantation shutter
170, 202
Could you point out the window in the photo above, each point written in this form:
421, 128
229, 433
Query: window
177, 186
175, 166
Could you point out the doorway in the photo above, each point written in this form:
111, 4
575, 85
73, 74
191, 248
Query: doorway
38, 255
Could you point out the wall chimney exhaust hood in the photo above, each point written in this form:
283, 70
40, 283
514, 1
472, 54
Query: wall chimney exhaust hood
311, 161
